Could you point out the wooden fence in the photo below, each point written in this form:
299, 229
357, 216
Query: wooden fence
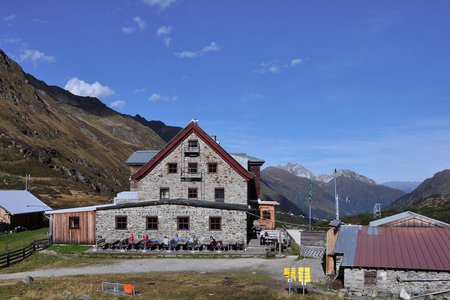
9, 258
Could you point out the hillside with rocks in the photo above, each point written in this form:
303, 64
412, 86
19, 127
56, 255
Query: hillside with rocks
73, 147
434, 192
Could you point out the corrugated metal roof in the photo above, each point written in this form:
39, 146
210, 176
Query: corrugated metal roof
241, 160
346, 244
141, 157
406, 215
407, 248
248, 157
21, 202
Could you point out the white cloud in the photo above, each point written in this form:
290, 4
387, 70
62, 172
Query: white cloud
167, 41
9, 41
275, 67
141, 25
128, 29
155, 97
163, 30
211, 47
164, 33
82, 88
35, 56
42, 21
9, 18
118, 103
296, 61
186, 54
161, 4
269, 67
140, 22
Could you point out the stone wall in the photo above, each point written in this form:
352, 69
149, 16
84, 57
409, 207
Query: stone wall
233, 222
235, 185
4, 216
387, 283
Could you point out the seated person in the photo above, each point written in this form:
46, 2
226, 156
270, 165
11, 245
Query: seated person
175, 240
165, 242
212, 243
192, 241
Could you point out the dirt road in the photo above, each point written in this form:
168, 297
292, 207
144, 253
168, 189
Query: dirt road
274, 267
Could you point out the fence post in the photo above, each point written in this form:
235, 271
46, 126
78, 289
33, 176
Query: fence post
34, 245
23, 253
7, 259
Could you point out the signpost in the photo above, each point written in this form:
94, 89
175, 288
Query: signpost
304, 276
291, 275
302, 273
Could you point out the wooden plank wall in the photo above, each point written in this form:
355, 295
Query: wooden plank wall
61, 233
330, 263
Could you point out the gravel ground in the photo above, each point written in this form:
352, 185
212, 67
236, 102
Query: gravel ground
274, 267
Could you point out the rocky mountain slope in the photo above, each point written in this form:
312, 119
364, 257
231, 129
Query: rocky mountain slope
433, 191
357, 193
292, 193
73, 147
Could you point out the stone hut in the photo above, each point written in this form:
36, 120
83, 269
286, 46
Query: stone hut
191, 186
380, 261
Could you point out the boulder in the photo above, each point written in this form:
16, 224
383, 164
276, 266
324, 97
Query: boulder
28, 280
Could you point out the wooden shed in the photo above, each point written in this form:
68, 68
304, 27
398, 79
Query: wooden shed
73, 225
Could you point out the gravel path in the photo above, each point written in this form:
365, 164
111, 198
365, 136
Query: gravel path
272, 266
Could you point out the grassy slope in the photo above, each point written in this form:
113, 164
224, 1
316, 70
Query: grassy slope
86, 151
18, 240
226, 285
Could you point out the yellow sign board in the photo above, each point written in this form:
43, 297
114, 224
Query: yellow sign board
290, 273
304, 274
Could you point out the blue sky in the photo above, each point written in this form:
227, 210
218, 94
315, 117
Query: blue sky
361, 85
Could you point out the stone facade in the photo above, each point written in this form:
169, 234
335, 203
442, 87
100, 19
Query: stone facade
233, 222
384, 283
234, 185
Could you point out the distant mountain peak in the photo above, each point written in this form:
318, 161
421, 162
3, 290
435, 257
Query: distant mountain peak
301, 171
297, 170
347, 174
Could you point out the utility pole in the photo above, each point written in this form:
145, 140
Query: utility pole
310, 199
336, 196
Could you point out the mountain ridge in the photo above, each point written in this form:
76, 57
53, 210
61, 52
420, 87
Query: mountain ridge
72, 146
357, 193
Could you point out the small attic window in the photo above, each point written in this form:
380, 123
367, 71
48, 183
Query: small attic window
193, 144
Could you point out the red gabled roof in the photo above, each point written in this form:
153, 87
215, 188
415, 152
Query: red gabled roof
178, 139
412, 248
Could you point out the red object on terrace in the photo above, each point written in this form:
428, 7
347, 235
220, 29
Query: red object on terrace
412, 248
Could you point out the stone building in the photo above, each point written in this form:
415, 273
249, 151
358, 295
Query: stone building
406, 251
191, 186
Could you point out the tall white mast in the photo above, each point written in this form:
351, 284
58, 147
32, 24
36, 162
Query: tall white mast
336, 196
